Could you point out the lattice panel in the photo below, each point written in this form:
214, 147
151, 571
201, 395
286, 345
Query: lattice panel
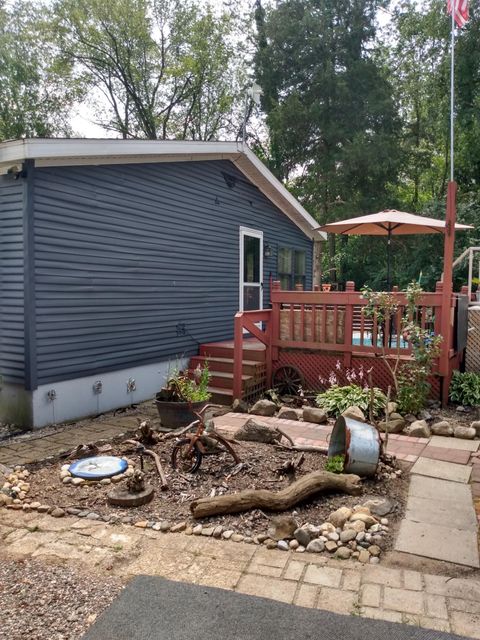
315, 366
472, 356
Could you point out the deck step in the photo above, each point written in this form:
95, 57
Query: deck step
251, 350
221, 396
249, 367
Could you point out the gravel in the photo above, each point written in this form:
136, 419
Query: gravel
50, 602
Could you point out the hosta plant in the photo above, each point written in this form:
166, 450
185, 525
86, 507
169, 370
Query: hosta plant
336, 399
465, 388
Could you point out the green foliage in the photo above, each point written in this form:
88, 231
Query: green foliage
335, 464
36, 87
411, 379
182, 388
336, 399
168, 68
465, 388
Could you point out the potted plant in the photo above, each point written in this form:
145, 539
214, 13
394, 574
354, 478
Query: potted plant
181, 396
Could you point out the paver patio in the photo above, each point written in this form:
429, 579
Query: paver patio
437, 602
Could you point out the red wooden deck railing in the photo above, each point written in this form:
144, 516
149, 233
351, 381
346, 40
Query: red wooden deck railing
334, 322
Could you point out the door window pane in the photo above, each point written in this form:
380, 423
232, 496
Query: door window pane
251, 298
251, 259
299, 263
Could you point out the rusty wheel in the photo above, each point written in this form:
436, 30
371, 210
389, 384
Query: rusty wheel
184, 458
287, 380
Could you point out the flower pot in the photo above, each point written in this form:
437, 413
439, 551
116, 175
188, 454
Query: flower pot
326, 287
177, 414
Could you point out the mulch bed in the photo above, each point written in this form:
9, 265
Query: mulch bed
213, 478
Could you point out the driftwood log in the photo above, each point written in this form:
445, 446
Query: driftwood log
300, 490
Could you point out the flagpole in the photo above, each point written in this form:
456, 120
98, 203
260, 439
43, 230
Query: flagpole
452, 94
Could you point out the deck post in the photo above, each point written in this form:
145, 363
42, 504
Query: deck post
237, 356
347, 355
447, 289
275, 324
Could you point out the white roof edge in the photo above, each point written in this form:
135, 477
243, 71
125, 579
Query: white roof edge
52, 150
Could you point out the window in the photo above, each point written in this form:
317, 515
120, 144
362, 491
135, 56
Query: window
291, 268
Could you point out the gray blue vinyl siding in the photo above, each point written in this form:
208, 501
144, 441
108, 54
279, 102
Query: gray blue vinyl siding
126, 253
11, 280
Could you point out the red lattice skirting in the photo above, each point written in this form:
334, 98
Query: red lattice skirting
319, 365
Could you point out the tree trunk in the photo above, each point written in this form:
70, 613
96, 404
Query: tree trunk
302, 489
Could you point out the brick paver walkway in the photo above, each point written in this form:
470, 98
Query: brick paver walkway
437, 602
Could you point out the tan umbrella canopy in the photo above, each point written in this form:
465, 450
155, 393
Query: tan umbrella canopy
389, 223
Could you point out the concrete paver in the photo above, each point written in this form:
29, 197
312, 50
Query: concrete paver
435, 489
441, 469
437, 542
442, 513
454, 443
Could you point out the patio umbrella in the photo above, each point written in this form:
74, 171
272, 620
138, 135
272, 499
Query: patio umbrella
389, 223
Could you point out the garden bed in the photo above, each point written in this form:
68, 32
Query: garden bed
213, 478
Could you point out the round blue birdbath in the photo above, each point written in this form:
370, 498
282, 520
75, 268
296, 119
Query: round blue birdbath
98, 467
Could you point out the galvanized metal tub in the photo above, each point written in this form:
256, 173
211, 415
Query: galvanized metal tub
358, 442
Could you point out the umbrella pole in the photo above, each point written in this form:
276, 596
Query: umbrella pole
389, 258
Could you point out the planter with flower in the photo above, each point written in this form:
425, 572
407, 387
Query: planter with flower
181, 396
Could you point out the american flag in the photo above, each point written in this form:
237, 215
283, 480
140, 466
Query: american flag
460, 8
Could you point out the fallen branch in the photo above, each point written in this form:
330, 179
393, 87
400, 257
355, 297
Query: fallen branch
285, 435
298, 491
141, 449
309, 448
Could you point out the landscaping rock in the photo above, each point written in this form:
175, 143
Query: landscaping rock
226, 535
287, 413
466, 433
343, 553
425, 415
367, 519
476, 425
327, 527
237, 537
57, 512
418, 429
181, 526
357, 526
380, 506
315, 415
77, 482
391, 408
364, 556
43, 508
442, 428
331, 546
282, 528
316, 546
208, 531
294, 544
339, 517
348, 535
355, 413
217, 532
283, 545
264, 408
197, 530
374, 550
409, 417
239, 406
271, 544
394, 426
255, 431
302, 536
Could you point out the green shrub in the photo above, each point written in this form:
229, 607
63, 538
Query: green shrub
335, 464
465, 388
336, 399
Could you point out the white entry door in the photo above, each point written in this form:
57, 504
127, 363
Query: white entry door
251, 269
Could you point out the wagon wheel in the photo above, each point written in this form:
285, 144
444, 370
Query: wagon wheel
288, 380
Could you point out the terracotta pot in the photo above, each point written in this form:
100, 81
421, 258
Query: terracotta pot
326, 287
177, 414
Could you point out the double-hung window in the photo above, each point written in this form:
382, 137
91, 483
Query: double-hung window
291, 267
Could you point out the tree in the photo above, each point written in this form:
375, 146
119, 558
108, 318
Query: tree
166, 69
329, 106
36, 90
